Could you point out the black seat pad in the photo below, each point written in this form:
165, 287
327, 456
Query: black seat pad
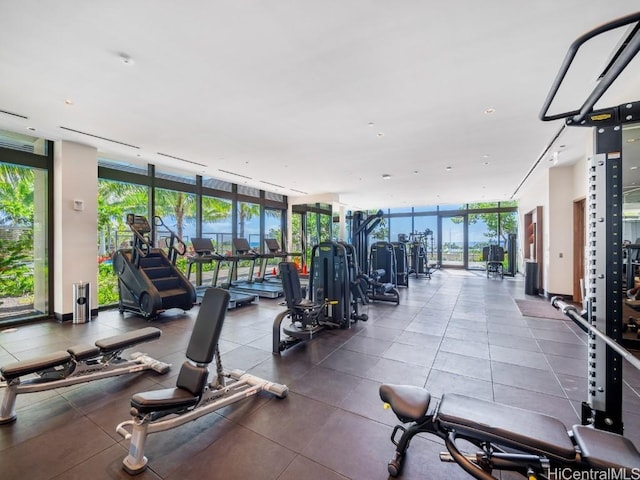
505, 425
409, 403
606, 450
161, 400
33, 365
83, 352
129, 339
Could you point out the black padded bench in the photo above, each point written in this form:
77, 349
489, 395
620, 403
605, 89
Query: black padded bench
15, 370
79, 353
505, 425
605, 450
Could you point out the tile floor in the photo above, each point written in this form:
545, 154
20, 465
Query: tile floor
457, 332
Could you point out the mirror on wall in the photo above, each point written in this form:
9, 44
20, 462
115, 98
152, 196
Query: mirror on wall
631, 234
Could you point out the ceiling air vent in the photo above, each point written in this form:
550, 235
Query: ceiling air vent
99, 137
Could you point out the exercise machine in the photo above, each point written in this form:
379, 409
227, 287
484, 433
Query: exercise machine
604, 283
382, 277
418, 257
77, 364
306, 318
204, 253
243, 251
195, 394
493, 255
148, 280
402, 264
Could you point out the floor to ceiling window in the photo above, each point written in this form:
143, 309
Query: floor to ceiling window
25, 239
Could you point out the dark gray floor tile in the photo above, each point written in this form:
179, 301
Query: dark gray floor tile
368, 345
291, 422
463, 365
440, 382
413, 354
520, 343
302, 467
47, 455
107, 464
392, 371
571, 350
325, 385
241, 454
560, 408
465, 347
361, 451
518, 357
526, 377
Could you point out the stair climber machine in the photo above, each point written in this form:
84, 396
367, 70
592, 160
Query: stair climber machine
148, 280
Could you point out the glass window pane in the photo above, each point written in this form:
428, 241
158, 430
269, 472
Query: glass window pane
249, 223
115, 200
448, 208
24, 269
399, 226
453, 241
427, 227
483, 231
273, 225
428, 208
217, 223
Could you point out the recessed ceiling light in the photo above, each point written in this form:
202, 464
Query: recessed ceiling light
416, 172
33, 129
486, 163
489, 110
126, 59
635, 167
68, 101
381, 134
386, 176
370, 124
448, 169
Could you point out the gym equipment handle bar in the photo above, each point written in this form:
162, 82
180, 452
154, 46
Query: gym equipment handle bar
625, 54
572, 312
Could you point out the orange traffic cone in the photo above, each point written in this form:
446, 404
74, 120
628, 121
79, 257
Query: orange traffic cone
304, 269
274, 272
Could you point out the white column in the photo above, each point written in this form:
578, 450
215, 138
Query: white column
75, 228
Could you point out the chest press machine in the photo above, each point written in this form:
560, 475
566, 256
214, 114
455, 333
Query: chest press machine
194, 394
534, 445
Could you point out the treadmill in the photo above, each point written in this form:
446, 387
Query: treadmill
205, 253
243, 251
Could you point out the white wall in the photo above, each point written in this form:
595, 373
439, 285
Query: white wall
555, 189
75, 173
558, 259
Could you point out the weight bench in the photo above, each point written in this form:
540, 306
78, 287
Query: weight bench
78, 364
194, 395
508, 438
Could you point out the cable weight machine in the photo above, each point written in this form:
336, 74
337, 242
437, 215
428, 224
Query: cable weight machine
604, 265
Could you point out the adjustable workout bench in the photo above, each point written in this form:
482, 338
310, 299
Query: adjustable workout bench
194, 395
78, 364
509, 438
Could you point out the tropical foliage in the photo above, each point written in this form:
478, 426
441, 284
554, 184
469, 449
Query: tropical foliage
16, 230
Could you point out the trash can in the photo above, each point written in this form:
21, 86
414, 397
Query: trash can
531, 278
81, 302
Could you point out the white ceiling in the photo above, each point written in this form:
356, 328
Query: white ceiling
318, 97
